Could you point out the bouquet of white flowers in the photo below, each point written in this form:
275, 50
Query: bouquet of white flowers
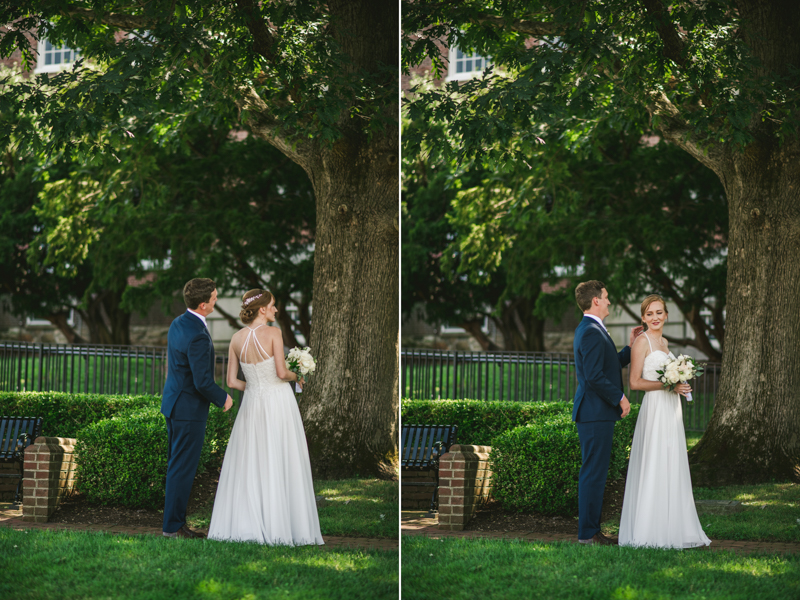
301, 362
679, 370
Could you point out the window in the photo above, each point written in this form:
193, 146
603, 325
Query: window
54, 58
465, 66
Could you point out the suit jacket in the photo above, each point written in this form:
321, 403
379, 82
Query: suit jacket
190, 387
599, 369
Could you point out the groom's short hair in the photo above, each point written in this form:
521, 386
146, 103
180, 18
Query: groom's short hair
196, 291
588, 290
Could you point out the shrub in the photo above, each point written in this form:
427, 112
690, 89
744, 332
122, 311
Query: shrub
479, 421
536, 467
66, 414
123, 460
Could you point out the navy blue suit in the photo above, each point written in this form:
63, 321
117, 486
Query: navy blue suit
596, 409
188, 392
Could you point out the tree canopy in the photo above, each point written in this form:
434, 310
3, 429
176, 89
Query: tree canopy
718, 80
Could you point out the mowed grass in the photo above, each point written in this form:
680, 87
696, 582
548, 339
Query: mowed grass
466, 569
71, 565
352, 508
771, 511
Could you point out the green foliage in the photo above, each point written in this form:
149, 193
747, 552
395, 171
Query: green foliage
123, 460
481, 241
66, 414
480, 422
536, 467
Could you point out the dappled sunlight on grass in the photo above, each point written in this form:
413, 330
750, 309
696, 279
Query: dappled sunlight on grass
96, 565
513, 569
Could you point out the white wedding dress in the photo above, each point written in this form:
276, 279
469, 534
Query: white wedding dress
265, 491
658, 509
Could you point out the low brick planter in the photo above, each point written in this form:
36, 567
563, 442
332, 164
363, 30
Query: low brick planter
49, 474
465, 483
417, 497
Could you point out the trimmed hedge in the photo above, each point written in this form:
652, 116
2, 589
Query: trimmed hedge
123, 460
479, 422
536, 467
66, 414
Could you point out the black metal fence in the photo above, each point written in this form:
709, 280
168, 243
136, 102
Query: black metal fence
523, 376
95, 369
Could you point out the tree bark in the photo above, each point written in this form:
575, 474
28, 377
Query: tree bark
754, 432
350, 405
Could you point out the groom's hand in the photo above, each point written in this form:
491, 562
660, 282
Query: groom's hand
625, 406
635, 332
228, 404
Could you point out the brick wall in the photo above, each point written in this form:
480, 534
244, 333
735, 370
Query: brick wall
49, 476
465, 483
8, 485
417, 497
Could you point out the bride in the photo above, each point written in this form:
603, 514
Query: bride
658, 509
265, 491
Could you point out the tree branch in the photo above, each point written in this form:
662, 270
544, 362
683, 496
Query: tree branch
673, 44
532, 28
677, 130
232, 321
265, 126
123, 21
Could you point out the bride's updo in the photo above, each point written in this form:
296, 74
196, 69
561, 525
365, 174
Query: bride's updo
251, 302
646, 304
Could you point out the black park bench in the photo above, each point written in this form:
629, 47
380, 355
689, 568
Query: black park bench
423, 446
16, 434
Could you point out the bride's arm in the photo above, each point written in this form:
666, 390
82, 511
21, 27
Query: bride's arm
280, 361
638, 354
233, 371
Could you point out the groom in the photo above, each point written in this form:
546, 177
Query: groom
599, 403
188, 392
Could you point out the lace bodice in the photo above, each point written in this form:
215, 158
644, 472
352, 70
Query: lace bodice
261, 374
653, 362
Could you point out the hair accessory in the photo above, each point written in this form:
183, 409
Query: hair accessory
251, 298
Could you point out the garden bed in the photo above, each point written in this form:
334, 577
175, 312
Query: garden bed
493, 517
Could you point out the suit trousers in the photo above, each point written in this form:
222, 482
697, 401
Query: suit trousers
596, 440
185, 441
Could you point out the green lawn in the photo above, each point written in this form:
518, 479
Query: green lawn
509, 569
353, 508
77, 565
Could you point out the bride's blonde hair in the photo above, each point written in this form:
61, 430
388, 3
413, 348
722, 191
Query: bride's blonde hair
648, 301
251, 302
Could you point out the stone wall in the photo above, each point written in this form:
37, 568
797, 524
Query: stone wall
49, 475
465, 483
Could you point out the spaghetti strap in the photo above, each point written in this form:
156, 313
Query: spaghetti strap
257, 347
648, 342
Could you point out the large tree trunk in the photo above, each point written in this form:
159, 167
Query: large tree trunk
350, 408
754, 433
350, 405
522, 330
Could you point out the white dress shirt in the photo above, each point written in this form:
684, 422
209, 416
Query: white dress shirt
199, 316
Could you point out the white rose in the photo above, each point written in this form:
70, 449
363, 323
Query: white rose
303, 370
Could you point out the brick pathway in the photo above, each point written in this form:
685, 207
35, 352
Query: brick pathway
9, 517
415, 523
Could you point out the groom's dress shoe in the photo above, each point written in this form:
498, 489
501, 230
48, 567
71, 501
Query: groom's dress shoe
600, 539
185, 532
